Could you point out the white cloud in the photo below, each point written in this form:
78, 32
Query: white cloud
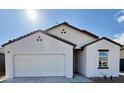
120, 19
119, 16
119, 38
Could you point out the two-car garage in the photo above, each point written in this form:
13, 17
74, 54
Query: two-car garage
39, 65
39, 54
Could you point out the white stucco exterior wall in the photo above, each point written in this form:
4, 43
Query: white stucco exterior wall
29, 45
92, 59
72, 35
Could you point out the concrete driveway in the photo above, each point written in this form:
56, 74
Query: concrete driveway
76, 79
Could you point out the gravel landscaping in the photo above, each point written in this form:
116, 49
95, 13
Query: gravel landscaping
119, 79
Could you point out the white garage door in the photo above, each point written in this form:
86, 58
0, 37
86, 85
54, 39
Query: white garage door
39, 65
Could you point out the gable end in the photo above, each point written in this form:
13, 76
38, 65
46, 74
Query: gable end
100, 40
82, 31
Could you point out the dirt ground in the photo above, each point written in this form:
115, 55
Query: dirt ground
119, 79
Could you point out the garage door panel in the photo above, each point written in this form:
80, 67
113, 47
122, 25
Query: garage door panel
39, 65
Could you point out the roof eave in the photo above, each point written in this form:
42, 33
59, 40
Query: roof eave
102, 39
51, 35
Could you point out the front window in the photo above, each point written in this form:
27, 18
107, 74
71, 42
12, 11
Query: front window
103, 58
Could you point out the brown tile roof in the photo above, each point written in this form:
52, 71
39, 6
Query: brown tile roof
83, 31
102, 39
51, 35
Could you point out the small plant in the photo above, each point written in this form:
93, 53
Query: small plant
111, 77
105, 77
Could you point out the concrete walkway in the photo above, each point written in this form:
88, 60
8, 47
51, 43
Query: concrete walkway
76, 79
121, 73
82, 79
2, 78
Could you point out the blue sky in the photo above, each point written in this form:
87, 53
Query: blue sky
108, 23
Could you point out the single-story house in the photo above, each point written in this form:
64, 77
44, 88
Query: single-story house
2, 60
61, 50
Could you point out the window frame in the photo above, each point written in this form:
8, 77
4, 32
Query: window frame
103, 50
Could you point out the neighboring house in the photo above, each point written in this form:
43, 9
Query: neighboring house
2, 61
61, 50
122, 59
